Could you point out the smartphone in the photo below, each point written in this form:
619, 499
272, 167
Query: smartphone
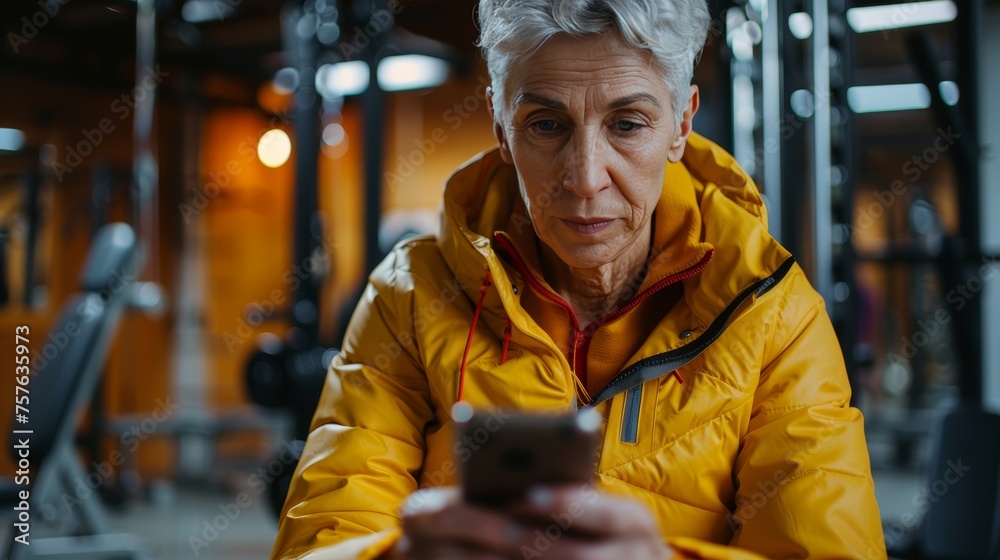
503, 454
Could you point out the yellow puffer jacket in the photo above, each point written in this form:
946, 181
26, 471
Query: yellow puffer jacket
731, 420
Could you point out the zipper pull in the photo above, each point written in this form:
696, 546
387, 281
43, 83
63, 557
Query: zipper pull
579, 358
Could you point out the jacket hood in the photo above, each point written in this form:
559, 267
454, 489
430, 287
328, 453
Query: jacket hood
709, 209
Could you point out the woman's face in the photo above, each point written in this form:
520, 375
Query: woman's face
589, 127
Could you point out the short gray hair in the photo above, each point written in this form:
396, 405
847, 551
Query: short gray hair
674, 31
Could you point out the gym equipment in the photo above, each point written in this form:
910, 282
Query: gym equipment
281, 375
65, 374
290, 373
963, 520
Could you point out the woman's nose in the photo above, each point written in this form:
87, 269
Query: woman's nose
586, 166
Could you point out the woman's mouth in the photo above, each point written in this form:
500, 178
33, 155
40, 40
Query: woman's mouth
588, 226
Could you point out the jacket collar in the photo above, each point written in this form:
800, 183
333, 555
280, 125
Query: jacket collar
708, 202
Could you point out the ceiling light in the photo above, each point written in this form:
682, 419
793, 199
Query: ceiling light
333, 134
198, 11
801, 25
899, 97
894, 16
11, 139
285, 80
949, 92
342, 79
411, 71
274, 148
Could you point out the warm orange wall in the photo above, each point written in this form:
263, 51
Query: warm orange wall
341, 199
244, 229
442, 129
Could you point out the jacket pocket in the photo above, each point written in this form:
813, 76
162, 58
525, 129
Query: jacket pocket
630, 417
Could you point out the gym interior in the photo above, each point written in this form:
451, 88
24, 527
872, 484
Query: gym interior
193, 192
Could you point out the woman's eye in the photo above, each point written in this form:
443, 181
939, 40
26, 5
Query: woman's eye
546, 125
627, 126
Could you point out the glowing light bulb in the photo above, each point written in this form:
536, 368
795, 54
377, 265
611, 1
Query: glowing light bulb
274, 148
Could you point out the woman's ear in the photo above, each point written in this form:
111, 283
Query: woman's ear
498, 130
677, 147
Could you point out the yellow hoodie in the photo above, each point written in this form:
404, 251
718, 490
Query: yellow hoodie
721, 384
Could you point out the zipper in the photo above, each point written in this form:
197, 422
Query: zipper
630, 417
575, 330
581, 390
666, 362
673, 279
509, 249
581, 345
581, 337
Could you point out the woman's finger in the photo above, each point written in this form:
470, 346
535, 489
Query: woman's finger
585, 510
455, 522
430, 499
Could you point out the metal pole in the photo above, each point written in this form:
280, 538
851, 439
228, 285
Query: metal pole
373, 102
772, 96
849, 332
144, 168
725, 127
822, 225
305, 299
968, 32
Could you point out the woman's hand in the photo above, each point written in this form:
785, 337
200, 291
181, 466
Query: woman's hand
438, 524
555, 522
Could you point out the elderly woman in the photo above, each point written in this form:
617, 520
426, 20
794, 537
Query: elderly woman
602, 255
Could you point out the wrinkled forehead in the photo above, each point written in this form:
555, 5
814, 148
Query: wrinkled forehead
601, 67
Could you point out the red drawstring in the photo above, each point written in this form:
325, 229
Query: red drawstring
468, 344
506, 341
506, 338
